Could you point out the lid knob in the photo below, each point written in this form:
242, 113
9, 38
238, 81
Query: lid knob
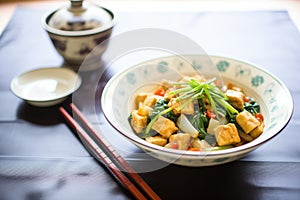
76, 3
79, 16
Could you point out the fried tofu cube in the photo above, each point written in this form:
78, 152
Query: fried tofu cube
138, 122
187, 109
247, 121
168, 96
150, 101
257, 131
144, 110
140, 98
236, 99
227, 134
164, 126
158, 140
183, 140
175, 106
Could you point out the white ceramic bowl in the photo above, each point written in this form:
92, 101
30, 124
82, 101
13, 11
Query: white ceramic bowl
45, 86
273, 96
75, 46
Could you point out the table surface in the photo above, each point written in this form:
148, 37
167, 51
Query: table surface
41, 157
292, 6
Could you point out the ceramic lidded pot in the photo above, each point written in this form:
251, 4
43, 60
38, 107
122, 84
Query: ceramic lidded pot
75, 30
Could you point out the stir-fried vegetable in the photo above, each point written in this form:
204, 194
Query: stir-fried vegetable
195, 114
252, 106
161, 108
196, 90
185, 125
199, 120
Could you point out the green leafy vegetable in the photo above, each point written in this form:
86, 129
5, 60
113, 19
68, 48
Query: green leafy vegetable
160, 106
252, 106
199, 120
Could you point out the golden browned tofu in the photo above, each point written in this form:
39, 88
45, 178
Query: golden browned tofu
168, 96
257, 131
144, 110
188, 109
140, 98
158, 140
183, 140
175, 104
150, 101
236, 99
138, 122
227, 134
164, 126
247, 121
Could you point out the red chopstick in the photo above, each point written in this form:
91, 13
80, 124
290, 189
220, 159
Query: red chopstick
131, 172
112, 167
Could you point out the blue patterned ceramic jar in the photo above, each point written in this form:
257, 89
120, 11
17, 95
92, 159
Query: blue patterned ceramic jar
77, 29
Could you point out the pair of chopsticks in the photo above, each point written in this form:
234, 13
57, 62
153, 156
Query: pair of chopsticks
112, 159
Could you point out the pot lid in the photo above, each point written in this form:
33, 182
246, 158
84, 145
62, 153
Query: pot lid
79, 16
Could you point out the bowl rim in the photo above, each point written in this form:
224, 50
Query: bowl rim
76, 77
243, 148
101, 29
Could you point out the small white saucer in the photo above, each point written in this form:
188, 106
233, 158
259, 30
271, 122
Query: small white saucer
45, 86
